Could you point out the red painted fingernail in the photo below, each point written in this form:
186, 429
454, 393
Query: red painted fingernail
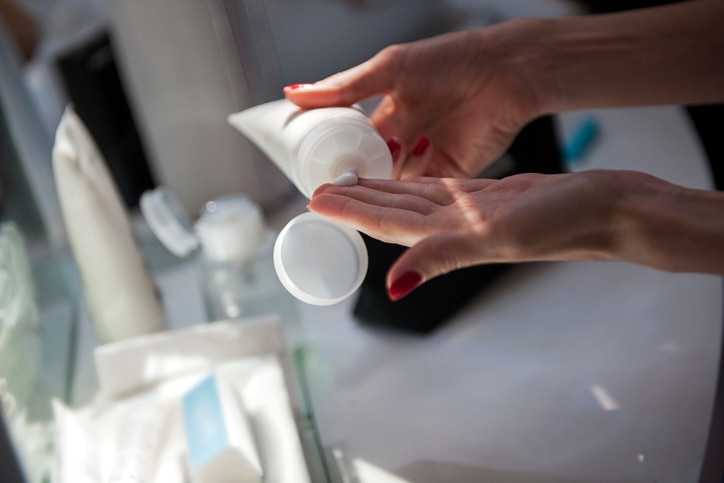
291, 87
405, 284
421, 146
395, 147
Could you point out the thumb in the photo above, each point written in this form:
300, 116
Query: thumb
435, 256
365, 80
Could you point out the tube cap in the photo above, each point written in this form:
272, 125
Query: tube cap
339, 146
318, 261
169, 221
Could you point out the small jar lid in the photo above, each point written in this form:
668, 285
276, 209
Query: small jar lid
230, 228
318, 261
169, 221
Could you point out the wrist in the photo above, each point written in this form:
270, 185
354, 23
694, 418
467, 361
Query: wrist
538, 65
669, 227
650, 56
553, 56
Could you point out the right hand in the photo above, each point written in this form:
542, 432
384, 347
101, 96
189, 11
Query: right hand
467, 92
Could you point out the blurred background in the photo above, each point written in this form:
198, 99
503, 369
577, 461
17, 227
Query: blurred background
154, 82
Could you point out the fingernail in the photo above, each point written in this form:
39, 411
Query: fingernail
395, 147
405, 284
292, 87
421, 146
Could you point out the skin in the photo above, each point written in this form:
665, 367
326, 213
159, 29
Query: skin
471, 92
451, 223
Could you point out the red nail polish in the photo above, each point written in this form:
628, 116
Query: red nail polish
395, 147
291, 87
421, 146
405, 284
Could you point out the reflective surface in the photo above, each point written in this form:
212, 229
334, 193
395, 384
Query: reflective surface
559, 372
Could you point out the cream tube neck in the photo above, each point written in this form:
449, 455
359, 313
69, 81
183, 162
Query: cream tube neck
337, 146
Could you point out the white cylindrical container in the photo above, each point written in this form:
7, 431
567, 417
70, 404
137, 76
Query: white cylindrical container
118, 288
318, 261
185, 70
313, 147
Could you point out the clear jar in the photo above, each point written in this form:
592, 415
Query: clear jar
237, 276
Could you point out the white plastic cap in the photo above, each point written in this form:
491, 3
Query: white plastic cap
230, 229
338, 146
168, 220
318, 261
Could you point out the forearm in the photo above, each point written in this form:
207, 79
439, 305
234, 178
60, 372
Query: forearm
663, 55
671, 227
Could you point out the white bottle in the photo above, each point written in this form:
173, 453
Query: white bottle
237, 273
316, 146
225, 67
318, 261
118, 288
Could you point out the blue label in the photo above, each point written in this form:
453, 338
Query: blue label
205, 426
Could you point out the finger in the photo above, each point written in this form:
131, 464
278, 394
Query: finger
451, 185
434, 256
435, 191
441, 191
365, 80
419, 159
385, 199
390, 122
392, 225
399, 154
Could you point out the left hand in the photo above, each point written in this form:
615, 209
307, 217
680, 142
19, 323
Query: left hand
465, 93
454, 223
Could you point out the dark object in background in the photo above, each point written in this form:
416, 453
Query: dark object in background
707, 120
10, 469
534, 150
93, 85
606, 6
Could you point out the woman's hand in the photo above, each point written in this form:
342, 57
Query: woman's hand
465, 92
593, 215
469, 93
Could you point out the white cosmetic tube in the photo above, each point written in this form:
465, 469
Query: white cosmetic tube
314, 147
118, 289
318, 261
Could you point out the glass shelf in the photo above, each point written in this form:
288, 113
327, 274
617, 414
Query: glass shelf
64, 368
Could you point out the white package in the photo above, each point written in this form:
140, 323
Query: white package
127, 366
220, 444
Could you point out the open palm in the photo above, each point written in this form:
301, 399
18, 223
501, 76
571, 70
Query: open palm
453, 223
